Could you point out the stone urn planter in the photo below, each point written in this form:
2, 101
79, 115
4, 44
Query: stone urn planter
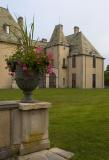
27, 82
28, 62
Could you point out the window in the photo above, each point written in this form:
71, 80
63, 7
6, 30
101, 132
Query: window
70, 49
94, 80
6, 28
74, 80
52, 80
42, 81
63, 81
63, 62
64, 66
94, 61
73, 61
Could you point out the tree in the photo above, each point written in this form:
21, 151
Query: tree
106, 76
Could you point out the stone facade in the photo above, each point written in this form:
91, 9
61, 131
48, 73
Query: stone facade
6, 49
76, 64
84, 72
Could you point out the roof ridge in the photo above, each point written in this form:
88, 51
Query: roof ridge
70, 35
83, 37
4, 8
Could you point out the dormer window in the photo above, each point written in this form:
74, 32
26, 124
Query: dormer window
6, 28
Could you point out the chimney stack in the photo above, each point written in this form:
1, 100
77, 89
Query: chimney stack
44, 40
59, 27
76, 30
20, 21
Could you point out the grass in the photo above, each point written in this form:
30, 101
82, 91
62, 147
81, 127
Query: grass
79, 120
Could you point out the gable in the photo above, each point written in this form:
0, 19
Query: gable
88, 48
79, 44
7, 19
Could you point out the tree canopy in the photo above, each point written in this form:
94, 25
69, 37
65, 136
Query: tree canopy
106, 76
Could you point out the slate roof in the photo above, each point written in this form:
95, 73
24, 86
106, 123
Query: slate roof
74, 42
58, 36
79, 44
7, 19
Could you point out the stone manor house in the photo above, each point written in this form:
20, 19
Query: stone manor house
77, 64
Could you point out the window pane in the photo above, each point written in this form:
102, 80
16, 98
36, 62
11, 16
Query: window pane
74, 80
94, 80
6, 28
63, 62
94, 62
73, 61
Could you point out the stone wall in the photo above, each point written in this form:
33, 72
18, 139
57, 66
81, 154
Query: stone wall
23, 128
63, 70
89, 70
78, 70
60, 52
84, 71
6, 49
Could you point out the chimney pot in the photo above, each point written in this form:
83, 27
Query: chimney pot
20, 21
44, 40
76, 29
60, 27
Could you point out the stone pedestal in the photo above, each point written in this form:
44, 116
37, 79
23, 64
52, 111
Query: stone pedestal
32, 133
23, 128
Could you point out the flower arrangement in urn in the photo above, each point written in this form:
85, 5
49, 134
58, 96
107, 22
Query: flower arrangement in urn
28, 63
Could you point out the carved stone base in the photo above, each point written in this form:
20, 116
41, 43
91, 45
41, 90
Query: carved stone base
34, 146
34, 127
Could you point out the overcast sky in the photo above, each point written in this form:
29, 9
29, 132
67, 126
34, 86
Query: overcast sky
92, 16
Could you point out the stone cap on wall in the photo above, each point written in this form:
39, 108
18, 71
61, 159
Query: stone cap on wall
8, 105
23, 106
34, 106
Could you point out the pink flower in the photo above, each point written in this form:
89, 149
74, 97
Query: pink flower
50, 55
24, 67
39, 49
50, 69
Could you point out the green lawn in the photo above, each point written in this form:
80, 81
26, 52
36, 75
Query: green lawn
79, 120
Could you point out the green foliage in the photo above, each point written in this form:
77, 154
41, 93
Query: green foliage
107, 68
106, 76
27, 55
